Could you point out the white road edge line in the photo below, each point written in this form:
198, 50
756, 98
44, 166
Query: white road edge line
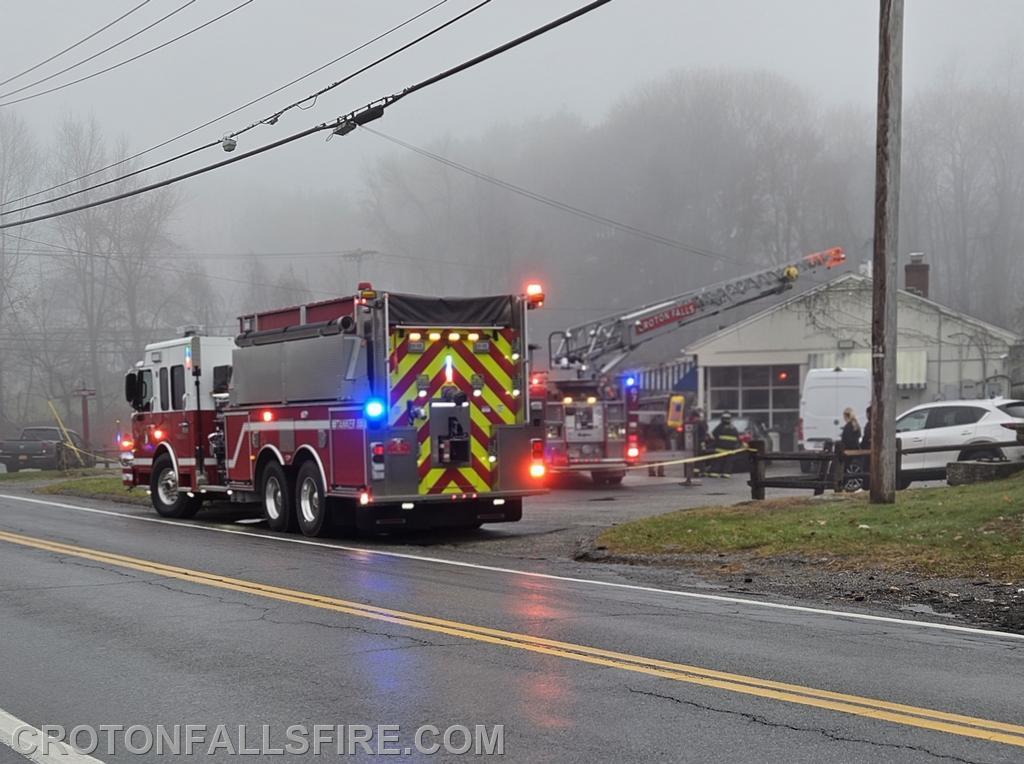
29, 743
534, 574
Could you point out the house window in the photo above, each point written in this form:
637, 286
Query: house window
768, 394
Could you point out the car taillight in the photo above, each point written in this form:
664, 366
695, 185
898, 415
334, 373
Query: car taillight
537, 468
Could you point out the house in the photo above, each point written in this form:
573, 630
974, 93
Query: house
756, 367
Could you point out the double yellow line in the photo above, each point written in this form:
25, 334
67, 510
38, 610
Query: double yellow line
897, 713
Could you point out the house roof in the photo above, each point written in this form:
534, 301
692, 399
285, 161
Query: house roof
864, 281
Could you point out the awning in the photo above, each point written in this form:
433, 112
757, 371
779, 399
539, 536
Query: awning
911, 365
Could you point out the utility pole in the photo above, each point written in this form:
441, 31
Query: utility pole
884, 272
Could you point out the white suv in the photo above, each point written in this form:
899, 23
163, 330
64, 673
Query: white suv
955, 424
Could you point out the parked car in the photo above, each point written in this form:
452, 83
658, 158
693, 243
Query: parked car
748, 428
826, 394
955, 424
42, 448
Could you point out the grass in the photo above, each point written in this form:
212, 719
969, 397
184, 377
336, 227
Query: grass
96, 487
965, 531
24, 476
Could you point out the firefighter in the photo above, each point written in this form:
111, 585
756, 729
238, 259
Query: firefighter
725, 437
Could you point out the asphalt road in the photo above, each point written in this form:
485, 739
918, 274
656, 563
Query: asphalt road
109, 618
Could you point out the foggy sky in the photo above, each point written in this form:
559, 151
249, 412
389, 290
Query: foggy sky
584, 68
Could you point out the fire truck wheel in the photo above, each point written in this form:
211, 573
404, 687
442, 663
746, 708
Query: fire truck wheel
277, 498
310, 501
168, 501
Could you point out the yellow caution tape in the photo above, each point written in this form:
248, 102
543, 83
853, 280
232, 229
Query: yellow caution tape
691, 459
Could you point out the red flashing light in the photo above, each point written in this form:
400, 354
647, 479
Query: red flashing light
267, 416
127, 444
633, 452
534, 295
783, 376
378, 449
158, 434
537, 470
537, 448
364, 498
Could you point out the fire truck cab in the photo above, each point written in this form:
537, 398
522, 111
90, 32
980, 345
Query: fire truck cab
382, 410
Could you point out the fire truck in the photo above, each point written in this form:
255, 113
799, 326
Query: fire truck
590, 418
376, 411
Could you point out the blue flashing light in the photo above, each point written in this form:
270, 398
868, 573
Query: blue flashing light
630, 381
374, 408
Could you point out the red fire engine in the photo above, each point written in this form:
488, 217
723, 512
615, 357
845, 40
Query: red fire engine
591, 419
380, 410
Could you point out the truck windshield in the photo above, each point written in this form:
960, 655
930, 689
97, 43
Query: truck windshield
40, 433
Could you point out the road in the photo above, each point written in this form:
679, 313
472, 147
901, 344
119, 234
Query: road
112, 618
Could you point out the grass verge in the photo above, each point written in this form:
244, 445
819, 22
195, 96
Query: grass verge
966, 531
96, 487
23, 476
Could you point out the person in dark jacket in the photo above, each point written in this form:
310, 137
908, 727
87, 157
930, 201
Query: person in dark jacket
725, 437
851, 436
865, 441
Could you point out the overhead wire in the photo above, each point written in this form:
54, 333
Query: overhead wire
547, 200
565, 207
341, 126
136, 57
71, 47
197, 128
273, 118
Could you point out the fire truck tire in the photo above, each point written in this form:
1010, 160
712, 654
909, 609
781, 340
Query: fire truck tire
168, 501
276, 498
311, 504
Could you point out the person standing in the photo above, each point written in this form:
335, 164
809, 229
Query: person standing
698, 427
851, 437
725, 437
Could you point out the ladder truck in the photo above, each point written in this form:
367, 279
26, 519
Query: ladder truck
590, 419
379, 411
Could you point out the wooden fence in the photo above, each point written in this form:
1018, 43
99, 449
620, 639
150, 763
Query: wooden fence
836, 468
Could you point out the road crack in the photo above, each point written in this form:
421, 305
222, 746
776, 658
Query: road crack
824, 732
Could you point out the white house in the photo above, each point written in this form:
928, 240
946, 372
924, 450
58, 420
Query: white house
756, 367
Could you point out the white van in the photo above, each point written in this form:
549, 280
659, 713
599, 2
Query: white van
826, 394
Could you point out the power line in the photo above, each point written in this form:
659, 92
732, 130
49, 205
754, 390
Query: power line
185, 134
563, 206
103, 28
120, 63
267, 120
341, 126
578, 211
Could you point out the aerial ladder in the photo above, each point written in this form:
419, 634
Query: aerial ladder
592, 422
603, 344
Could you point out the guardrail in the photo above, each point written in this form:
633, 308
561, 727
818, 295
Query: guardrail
837, 468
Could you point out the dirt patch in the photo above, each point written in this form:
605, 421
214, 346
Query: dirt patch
982, 601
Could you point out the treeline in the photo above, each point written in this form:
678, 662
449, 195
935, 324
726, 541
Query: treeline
711, 173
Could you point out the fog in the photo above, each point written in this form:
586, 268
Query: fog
742, 129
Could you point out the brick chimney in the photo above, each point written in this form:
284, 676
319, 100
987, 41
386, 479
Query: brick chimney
916, 275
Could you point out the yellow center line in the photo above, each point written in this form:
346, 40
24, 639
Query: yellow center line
898, 713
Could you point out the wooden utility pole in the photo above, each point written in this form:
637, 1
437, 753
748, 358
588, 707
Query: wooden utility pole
884, 270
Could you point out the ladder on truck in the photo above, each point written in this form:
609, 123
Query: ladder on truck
599, 346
